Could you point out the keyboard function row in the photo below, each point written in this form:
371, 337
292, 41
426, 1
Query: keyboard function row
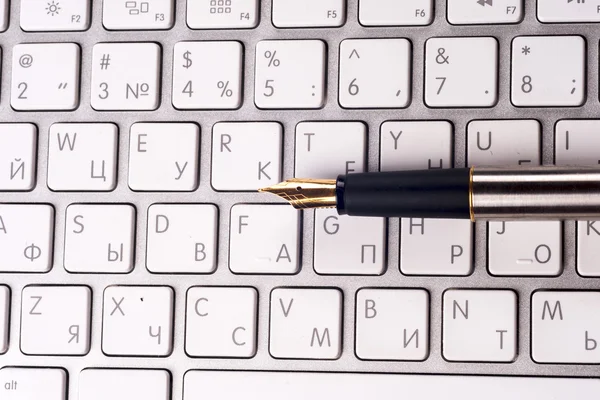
478, 325
291, 74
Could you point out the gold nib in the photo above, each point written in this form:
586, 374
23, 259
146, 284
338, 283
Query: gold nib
306, 193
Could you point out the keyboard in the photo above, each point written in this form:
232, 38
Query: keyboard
138, 260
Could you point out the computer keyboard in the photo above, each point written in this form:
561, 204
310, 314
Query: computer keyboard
138, 261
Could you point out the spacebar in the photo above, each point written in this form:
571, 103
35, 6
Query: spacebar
225, 385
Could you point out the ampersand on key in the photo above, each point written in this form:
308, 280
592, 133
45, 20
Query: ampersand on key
440, 58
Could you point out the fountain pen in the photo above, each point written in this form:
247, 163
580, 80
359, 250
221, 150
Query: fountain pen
477, 193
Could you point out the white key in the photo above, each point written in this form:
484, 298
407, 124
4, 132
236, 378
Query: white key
26, 237
436, 246
314, 144
182, 238
461, 12
4, 12
246, 156
45, 76
62, 313
548, 71
207, 85
480, 325
407, 145
99, 238
137, 321
18, 149
497, 143
519, 248
164, 156
588, 248
264, 239
461, 72
395, 13
290, 74
33, 383
308, 13
375, 73
124, 384
82, 157
565, 327
55, 15
126, 76
137, 14
4, 314
577, 142
549, 11
348, 246
392, 324
358, 386
221, 322
306, 323
222, 14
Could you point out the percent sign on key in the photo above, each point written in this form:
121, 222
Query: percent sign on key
225, 91
272, 57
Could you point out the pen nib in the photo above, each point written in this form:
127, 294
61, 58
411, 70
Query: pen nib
305, 193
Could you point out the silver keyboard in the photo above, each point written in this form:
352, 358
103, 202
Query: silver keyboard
137, 259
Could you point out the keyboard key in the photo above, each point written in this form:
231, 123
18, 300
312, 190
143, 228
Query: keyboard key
306, 323
221, 322
588, 248
164, 156
138, 321
349, 246
498, 143
436, 246
392, 324
375, 73
480, 325
392, 12
82, 157
548, 71
62, 313
246, 155
182, 238
53, 15
565, 318
124, 384
33, 383
126, 76
406, 145
290, 74
462, 12
26, 237
519, 248
577, 142
18, 149
264, 239
4, 315
222, 14
454, 77
99, 238
4, 12
45, 76
137, 14
207, 85
549, 11
354, 386
314, 141
309, 13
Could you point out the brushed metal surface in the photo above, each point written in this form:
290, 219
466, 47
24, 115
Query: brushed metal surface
179, 362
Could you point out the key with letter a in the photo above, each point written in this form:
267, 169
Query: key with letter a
306, 323
565, 327
17, 156
26, 237
62, 313
33, 383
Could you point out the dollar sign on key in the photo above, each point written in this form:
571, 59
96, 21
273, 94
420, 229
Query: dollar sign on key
188, 60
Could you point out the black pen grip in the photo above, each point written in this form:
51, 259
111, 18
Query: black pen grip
434, 193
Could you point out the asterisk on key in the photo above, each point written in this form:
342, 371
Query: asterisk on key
526, 50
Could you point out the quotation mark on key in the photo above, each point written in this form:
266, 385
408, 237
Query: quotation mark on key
272, 57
